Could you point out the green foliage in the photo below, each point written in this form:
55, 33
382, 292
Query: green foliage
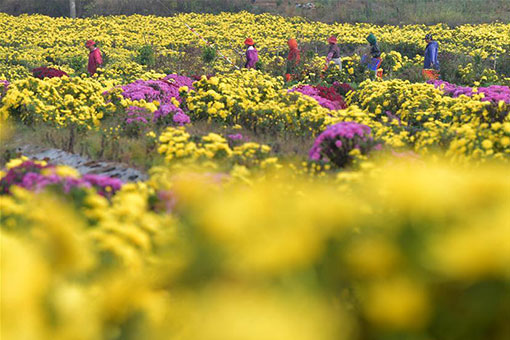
409, 49
503, 64
452, 12
146, 56
78, 64
209, 54
409, 72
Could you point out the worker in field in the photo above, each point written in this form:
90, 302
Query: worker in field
293, 60
333, 53
431, 64
373, 59
95, 58
252, 55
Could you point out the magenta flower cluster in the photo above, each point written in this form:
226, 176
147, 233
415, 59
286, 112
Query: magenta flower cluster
494, 93
235, 137
315, 93
29, 175
163, 91
137, 114
181, 118
337, 141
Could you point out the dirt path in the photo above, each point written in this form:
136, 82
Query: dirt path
82, 164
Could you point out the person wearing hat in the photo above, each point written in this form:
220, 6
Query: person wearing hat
374, 60
252, 55
431, 63
333, 53
95, 58
293, 59
375, 51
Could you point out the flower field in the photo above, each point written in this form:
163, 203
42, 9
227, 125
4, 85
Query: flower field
333, 206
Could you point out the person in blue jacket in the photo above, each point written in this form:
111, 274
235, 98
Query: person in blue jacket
431, 64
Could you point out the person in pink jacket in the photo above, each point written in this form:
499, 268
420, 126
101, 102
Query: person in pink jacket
95, 58
252, 55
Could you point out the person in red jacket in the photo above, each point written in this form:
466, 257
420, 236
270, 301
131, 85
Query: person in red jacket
293, 59
95, 58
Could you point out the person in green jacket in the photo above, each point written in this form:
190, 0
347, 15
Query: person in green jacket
373, 60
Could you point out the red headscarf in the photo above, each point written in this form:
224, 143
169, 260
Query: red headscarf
294, 52
332, 40
292, 44
249, 42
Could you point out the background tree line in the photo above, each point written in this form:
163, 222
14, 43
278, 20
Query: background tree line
376, 11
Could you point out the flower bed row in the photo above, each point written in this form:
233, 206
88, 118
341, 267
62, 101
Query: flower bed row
37, 176
494, 93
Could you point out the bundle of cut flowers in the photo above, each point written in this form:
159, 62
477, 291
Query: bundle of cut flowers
326, 97
48, 72
36, 176
494, 93
340, 142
